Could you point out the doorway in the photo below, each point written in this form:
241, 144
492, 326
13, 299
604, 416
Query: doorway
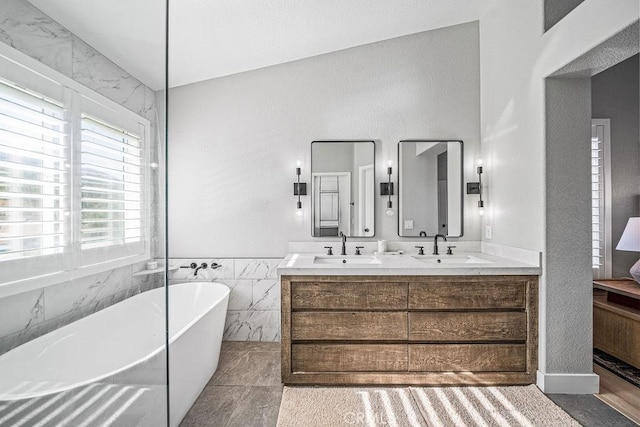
572, 96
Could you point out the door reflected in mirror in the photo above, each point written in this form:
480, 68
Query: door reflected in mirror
430, 188
342, 188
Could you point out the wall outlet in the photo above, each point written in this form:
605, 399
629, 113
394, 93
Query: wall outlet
487, 232
408, 224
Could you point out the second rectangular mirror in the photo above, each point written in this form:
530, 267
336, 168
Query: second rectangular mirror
430, 188
342, 188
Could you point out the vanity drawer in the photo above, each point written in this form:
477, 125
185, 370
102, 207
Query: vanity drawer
348, 296
468, 357
349, 326
443, 295
467, 326
348, 357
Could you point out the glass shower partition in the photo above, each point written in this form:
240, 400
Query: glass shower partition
83, 307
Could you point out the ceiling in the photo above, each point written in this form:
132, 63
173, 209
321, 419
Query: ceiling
214, 38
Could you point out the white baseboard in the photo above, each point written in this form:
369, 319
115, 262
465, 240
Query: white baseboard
568, 383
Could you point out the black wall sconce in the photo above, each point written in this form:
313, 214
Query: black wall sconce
386, 189
476, 188
299, 189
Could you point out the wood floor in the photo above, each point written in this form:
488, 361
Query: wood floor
620, 394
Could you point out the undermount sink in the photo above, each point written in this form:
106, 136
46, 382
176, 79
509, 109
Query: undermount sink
347, 260
450, 259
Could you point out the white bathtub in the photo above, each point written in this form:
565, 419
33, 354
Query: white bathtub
120, 346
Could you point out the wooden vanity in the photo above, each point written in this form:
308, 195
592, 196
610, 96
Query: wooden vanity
427, 330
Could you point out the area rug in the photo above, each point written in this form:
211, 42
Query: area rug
419, 406
617, 366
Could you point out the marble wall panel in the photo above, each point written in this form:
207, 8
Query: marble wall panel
254, 294
184, 273
266, 295
20, 312
256, 268
86, 291
29, 315
252, 326
25, 28
240, 294
98, 73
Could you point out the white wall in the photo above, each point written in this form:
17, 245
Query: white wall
235, 140
516, 57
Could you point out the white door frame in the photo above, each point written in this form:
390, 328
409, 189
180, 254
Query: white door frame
346, 175
361, 191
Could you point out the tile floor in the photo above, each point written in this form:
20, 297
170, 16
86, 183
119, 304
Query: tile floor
246, 391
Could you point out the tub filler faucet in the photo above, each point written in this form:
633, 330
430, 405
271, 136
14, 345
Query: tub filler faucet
203, 265
197, 267
344, 243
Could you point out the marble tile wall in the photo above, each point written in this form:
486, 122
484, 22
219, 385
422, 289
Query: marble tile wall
27, 29
31, 314
26, 316
254, 299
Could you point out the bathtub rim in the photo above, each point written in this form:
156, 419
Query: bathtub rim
62, 389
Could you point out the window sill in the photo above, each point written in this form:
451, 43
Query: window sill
154, 271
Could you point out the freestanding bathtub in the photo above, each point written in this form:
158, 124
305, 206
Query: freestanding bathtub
110, 367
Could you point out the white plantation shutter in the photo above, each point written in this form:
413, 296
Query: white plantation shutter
600, 199
111, 184
33, 174
74, 179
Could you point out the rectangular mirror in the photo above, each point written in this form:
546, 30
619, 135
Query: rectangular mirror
430, 188
342, 188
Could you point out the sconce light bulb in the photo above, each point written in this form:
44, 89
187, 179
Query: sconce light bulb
153, 165
389, 212
299, 212
389, 162
479, 162
298, 163
481, 211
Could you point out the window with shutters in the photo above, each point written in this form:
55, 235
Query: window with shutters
73, 178
600, 199
111, 184
33, 177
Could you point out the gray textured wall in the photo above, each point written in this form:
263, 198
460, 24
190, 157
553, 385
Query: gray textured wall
615, 96
555, 10
568, 284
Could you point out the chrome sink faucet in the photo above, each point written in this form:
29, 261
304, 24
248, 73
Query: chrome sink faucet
435, 243
344, 243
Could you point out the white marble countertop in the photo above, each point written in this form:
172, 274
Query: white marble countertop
463, 263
